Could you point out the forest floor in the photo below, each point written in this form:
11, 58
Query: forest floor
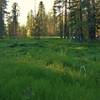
49, 69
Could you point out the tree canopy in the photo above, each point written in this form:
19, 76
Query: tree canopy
71, 19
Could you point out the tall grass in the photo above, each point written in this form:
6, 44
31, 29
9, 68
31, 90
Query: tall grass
49, 69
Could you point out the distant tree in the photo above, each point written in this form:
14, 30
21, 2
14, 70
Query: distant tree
81, 37
58, 16
66, 28
30, 24
50, 22
3, 4
54, 17
41, 27
15, 13
23, 31
9, 26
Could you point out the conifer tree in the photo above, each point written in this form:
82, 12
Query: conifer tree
15, 13
76, 19
41, 27
3, 4
91, 10
58, 16
30, 24
98, 17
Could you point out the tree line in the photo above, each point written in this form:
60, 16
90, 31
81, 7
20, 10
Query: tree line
80, 18
71, 19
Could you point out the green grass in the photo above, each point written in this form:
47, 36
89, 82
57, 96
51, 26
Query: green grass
49, 69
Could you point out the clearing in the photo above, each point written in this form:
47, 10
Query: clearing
49, 69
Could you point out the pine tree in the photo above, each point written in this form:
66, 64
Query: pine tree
9, 26
81, 18
76, 19
50, 22
3, 4
98, 17
58, 16
15, 12
55, 18
30, 24
41, 27
91, 9
23, 31
66, 29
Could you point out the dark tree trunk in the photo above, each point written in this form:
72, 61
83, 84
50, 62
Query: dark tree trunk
2, 27
91, 20
66, 31
81, 20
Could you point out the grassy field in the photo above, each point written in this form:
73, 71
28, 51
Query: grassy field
49, 69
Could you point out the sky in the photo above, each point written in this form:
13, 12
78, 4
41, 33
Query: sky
26, 5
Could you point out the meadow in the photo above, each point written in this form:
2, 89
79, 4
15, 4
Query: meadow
49, 69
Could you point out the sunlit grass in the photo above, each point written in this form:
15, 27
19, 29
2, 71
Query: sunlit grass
49, 69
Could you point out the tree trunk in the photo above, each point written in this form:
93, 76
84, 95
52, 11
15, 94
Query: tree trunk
66, 32
91, 20
81, 20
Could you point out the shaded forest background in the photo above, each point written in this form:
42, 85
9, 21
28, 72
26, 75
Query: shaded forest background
71, 19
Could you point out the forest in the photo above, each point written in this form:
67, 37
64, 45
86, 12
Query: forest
71, 19
55, 55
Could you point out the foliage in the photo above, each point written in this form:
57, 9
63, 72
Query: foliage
50, 22
12, 21
71, 19
30, 24
41, 28
80, 18
15, 12
23, 31
58, 17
